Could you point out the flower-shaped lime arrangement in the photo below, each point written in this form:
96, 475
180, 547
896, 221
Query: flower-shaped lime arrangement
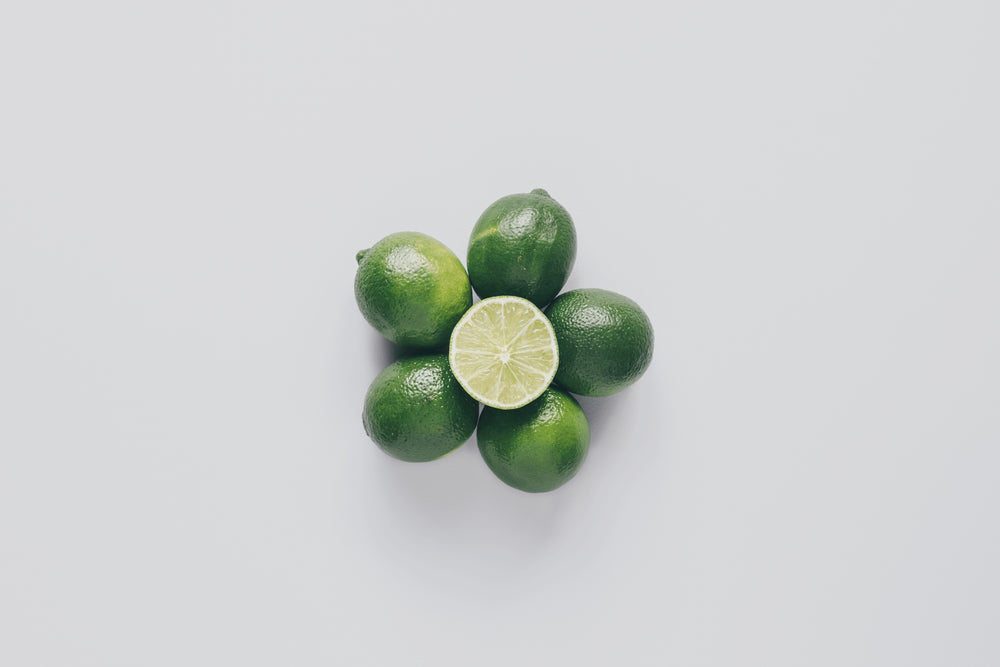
522, 363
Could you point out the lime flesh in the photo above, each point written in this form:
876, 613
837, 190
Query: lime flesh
503, 352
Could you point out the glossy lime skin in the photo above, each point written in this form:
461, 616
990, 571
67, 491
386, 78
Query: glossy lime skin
523, 245
605, 341
412, 289
538, 447
415, 410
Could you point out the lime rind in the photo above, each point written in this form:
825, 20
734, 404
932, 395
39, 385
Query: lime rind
503, 352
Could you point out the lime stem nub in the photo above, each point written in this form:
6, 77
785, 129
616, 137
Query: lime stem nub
539, 191
361, 254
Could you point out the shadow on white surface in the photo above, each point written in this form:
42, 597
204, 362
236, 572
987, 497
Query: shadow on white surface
601, 412
385, 352
458, 490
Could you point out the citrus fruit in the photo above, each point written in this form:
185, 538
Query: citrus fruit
416, 411
538, 447
503, 352
523, 245
412, 289
605, 341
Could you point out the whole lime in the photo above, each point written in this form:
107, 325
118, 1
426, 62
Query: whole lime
538, 447
415, 410
523, 245
605, 341
412, 289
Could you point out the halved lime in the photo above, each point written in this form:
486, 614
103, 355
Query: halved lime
503, 352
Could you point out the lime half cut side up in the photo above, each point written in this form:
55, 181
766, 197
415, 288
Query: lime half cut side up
503, 352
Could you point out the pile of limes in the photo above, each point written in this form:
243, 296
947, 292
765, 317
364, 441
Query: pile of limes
522, 363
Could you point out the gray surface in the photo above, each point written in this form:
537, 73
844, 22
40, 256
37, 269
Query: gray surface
804, 198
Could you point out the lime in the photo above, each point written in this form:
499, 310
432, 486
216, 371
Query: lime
504, 352
605, 341
538, 447
523, 245
416, 411
412, 289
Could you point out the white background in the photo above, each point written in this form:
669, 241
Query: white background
805, 198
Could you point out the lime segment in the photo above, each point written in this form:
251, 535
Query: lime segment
503, 352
